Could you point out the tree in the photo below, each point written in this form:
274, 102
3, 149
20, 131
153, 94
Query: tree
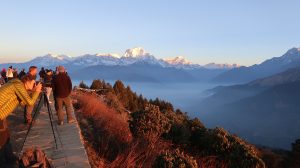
83, 85
119, 87
97, 84
295, 158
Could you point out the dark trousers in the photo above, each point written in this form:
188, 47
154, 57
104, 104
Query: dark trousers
60, 102
7, 158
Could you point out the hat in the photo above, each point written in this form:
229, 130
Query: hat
61, 69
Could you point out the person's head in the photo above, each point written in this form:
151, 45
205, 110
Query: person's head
32, 70
49, 72
28, 82
10, 67
61, 69
23, 69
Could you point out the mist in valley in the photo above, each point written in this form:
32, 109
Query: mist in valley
182, 95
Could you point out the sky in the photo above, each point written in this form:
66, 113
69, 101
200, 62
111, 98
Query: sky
203, 31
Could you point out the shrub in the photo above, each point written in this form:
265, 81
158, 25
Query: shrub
113, 102
229, 147
174, 159
149, 122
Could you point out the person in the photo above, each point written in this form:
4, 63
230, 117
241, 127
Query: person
22, 73
7, 158
9, 73
48, 83
2, 81
62, 87
3, 74
56, 71
15, 73
42, 74
12, 94
29, 82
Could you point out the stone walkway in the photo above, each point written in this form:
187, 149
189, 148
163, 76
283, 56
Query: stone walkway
70, 152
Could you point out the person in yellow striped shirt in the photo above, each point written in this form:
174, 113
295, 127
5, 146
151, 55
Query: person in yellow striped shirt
12, 94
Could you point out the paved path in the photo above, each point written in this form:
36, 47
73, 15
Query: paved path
70, 152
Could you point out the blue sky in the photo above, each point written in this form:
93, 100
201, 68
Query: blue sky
231, 31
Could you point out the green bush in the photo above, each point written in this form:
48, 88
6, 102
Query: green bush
149, 122
174, 160
235, 151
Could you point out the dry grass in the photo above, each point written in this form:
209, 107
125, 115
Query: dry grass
109, 142
106, 132
108, 139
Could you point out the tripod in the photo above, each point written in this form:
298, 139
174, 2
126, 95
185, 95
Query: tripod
43, 100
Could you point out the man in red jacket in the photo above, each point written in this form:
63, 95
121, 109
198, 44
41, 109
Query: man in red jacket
62, 88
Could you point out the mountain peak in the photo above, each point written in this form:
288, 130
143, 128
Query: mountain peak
108, 55
221, 66
135, 52
293, 50
57, 56
177, 60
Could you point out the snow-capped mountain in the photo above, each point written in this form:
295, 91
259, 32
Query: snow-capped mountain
135, 52
290, 59
177, 60
292, 55
97, 59
50, 59
136, 55
133, 65
130, 56
221, 66
180, 62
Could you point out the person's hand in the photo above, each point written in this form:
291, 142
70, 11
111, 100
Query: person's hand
38, 87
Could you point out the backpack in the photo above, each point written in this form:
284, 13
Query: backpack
34, 158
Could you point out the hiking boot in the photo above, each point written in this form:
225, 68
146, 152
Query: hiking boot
71, 121
60, 123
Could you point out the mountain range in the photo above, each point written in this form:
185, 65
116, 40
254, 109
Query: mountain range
217, 73
130, 56
134, 65
269, 67
264, 111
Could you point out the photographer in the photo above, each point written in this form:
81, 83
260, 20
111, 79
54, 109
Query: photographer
29, 82
12, 94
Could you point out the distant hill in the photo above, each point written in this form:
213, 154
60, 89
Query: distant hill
269, 67
264, 111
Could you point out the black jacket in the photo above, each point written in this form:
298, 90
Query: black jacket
62, 85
